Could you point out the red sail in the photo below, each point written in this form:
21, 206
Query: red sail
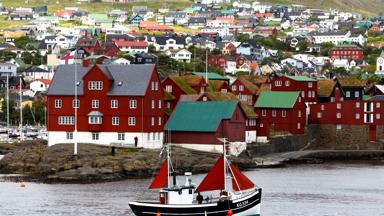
215, 178
161, 178
239, 180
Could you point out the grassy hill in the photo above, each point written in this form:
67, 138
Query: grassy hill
365, 7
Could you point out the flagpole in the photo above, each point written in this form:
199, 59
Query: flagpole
21, 110
75, 150
8, 105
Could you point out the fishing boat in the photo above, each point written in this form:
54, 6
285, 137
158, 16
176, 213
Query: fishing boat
241, 198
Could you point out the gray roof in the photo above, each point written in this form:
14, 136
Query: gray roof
133, 78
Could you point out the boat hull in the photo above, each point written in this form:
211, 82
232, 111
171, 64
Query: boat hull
246, 206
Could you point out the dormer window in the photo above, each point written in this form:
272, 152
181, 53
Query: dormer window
95, 85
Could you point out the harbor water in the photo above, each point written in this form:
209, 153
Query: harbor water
331, 189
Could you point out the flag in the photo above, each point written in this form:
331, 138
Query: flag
69, 58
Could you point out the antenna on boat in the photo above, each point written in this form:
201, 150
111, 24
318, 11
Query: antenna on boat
7, 105
225, 163
21, 109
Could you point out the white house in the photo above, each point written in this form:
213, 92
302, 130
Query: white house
182, 55
8, 68
122, 61
261, 7
132, 46
380, 64
40, 85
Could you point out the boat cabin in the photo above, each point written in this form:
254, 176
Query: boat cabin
178, 194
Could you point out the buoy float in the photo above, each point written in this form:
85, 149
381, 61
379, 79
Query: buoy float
158, 214
22, 184
230, 213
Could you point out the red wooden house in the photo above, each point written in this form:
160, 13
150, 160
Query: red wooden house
280, 112
175, 86
247, 88
350, 112
90, 45
218, 61
350, 52
115, 104
303, 84
199, 125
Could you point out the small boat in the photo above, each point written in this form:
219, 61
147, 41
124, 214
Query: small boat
243, 198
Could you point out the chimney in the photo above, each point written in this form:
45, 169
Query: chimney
85, 62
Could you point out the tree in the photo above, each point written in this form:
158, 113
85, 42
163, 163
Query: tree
242, 37
22, 42
151, 48
325, 47
303, 45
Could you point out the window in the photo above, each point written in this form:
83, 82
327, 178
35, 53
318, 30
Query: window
274, 113
69, 135
153, 85
348, 94
168, 88
319, 115
95, 103
261, 125
299, 125
159, 121
114, 104
377, 115
377, 104
156, 86
153, 104
299, 114
338, 115
322, 107
357, 104
152, 121
58, 103
283, 113
132, 121
234, 88
310, 84
95, 120
120, 136
278, 83
160, 104
287, 83
241, 88
264, 112
95, 85
338, 106
357, 94
357, 116
133, 104
66, 120
95, 136
115, 120
76, 103
303, 94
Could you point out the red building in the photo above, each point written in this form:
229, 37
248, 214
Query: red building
350, 112
175, 86
350, 52
199, 125
280, 112
218, 61
90, 45
116, 104
247, 88
303, 84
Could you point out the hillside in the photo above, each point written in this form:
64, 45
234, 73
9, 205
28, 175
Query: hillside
365, 7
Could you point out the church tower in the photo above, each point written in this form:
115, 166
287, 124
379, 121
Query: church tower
380, 64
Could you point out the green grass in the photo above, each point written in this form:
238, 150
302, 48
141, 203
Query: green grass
11, 24
127, 151
96, 7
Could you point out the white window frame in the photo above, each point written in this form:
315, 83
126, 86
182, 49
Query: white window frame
95, 85
338, 115
133, 104
377, 104
66, 120
76, 103
69, 135
159, 121
152, 121
241, 88
357, 105
115, 120
357, 116
274, 113
234, 88
310, 84
278, 83
152, 104
319, 115
95, 104
284, 113
160, 104
95, 136
168, 88
95, 119
287, 83
114, 104
58, 103
131, 121
121, 136
264, 112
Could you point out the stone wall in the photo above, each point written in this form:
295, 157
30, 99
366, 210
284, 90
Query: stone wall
322, 137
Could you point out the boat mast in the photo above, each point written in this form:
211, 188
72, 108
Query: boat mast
7, 106
21, 110
225, 164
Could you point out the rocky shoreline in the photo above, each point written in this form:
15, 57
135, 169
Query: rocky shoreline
35, 161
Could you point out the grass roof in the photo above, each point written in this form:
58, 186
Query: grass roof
325, 87
215, 85
352, 82
187, 82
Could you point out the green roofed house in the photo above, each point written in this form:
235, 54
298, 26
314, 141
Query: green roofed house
211, 76
280, 112
303, 84
200, 125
